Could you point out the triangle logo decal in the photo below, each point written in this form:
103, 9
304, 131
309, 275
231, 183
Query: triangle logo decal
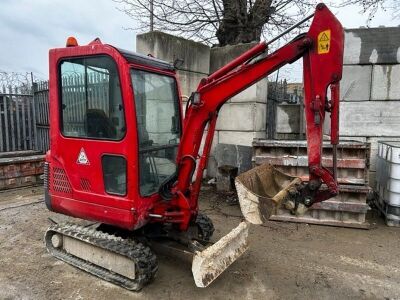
82, 158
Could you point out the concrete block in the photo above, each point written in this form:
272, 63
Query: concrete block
244, 138
256, 93
225, 179
356, 83
352, 48
230, 156
211, 170
213, 145
372, 46
288, 118
188, 82
374, 148
372, 179
262, 90
158, 115
353, 138
220, 56
385, 82
195, 56
370, 118
288, 136
242, 117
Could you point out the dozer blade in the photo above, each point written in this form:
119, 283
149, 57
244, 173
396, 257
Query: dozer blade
210, 263
261, 191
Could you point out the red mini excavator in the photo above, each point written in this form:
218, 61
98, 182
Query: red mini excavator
122, 155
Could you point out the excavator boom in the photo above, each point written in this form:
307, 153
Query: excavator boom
322, 51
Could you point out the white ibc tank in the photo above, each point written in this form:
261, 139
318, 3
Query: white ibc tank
388, 172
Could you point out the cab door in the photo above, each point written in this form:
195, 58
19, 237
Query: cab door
91, 146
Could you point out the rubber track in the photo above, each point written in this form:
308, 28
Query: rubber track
146, 265
206, 226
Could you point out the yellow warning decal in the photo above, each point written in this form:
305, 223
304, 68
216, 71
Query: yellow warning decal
324, 41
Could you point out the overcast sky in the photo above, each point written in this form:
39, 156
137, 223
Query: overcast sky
29, 28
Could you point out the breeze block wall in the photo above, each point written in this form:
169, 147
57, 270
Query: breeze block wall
240, 120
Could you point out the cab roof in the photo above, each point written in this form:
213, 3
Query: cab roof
146, 60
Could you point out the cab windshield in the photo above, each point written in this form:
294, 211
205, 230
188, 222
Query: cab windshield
158, 125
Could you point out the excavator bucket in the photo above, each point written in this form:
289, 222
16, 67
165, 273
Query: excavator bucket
208, 264
262, 190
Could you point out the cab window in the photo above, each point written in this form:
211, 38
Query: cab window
158, 125
91, 102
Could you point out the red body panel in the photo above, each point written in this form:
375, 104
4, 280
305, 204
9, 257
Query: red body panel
322, 67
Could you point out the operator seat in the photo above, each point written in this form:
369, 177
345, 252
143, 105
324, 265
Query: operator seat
98, 125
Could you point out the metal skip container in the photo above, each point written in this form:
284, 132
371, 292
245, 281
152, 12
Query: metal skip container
261, 192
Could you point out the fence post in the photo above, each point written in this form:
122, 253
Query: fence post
35, 137
1, 126
5, 110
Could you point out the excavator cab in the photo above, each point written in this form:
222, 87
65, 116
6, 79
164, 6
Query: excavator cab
117, 127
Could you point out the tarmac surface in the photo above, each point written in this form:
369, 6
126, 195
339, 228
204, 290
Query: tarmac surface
285, 260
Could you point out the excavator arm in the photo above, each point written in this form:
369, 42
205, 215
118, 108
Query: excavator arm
322, 51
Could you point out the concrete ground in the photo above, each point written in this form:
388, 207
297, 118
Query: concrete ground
285, 261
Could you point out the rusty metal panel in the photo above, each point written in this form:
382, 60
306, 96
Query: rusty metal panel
348, 209
291, 157
20, 168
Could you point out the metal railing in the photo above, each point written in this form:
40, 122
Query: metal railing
17, 117
42, 124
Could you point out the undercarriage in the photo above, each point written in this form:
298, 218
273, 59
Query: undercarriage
128, 259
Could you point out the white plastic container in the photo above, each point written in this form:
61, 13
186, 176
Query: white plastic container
388, 172
390, 151
391, 198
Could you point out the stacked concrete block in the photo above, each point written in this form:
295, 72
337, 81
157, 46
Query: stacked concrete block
369, 111
240, 120
194, 57
370, 93
288, 121
243, 117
